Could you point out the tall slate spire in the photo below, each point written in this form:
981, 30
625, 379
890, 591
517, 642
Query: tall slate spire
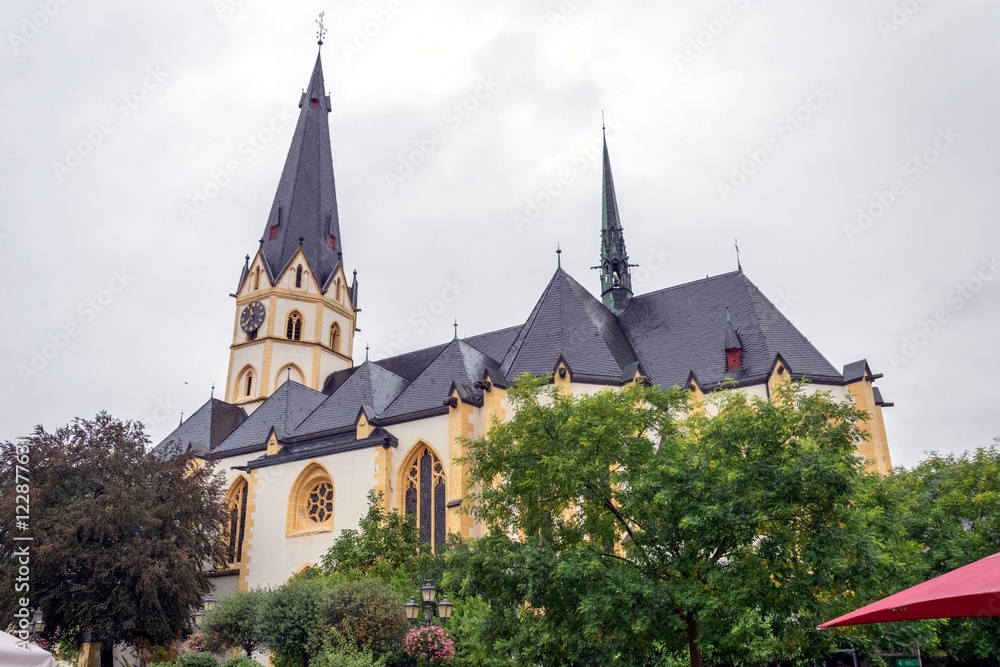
305, 204
616, 277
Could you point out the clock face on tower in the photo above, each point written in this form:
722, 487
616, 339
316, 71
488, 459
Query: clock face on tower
252, 316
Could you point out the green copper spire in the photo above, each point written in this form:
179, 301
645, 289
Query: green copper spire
616, 277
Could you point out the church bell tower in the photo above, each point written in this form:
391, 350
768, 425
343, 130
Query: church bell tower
296, 311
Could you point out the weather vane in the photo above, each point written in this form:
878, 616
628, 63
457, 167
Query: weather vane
321, 33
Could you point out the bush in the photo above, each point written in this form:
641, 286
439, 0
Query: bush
338, 652
241, 661
198, 659
236, 622
369, 614
161, 664
293, 620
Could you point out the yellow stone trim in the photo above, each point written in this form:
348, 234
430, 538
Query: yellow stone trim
562, 377
265, 374
875, 446
780, 374
243, 582
459, 428
273, 446
364, 428
297, 522
383, 475
282, 375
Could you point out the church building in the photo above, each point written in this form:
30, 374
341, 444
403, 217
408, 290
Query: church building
304, 433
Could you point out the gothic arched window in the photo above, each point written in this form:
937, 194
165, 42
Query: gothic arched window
256, 279
236, 504
244, 384
425, 498
335, 337
298, 276
294, 329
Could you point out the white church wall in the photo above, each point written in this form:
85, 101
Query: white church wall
274, 556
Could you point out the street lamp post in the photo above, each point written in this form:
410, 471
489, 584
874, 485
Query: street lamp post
428, 603
207, 605
37, 625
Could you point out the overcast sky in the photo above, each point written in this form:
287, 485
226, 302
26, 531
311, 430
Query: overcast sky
771, 122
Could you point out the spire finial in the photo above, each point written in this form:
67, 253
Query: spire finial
558, 257
182, 418
602, 121
288, 374
727, 314
212, 395
736, 244
366, 351
456, 329
321, 32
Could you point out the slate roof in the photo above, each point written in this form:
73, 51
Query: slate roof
569, 322
305, 203
458, 365
370, 387
681, 330
284, 410
203, 430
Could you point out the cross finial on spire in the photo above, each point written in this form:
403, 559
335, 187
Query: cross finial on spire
739, 267
558, 257
321, 32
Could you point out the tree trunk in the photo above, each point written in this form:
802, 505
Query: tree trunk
694, 648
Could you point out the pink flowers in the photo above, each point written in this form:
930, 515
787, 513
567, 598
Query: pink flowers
194, 643
431, 643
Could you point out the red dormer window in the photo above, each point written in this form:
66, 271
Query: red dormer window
331, 241
314, 103
734, 361
274, 232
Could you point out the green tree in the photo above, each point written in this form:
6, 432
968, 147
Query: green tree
120, 537
954, 516
236, 622
293, 620
642, 519
386, 547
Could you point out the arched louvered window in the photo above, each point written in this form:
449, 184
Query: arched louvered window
298, 276
293, 331
335, 337
424, 494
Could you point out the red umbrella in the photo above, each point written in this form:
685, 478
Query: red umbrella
972, 590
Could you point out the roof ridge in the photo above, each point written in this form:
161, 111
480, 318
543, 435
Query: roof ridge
508, 361
690, 282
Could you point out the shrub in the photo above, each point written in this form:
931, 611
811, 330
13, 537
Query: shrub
241, 661
237, 622
369, 614
197, 659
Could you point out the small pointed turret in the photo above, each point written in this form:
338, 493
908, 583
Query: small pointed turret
616, 277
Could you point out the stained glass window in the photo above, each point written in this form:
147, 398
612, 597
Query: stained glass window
425, 497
